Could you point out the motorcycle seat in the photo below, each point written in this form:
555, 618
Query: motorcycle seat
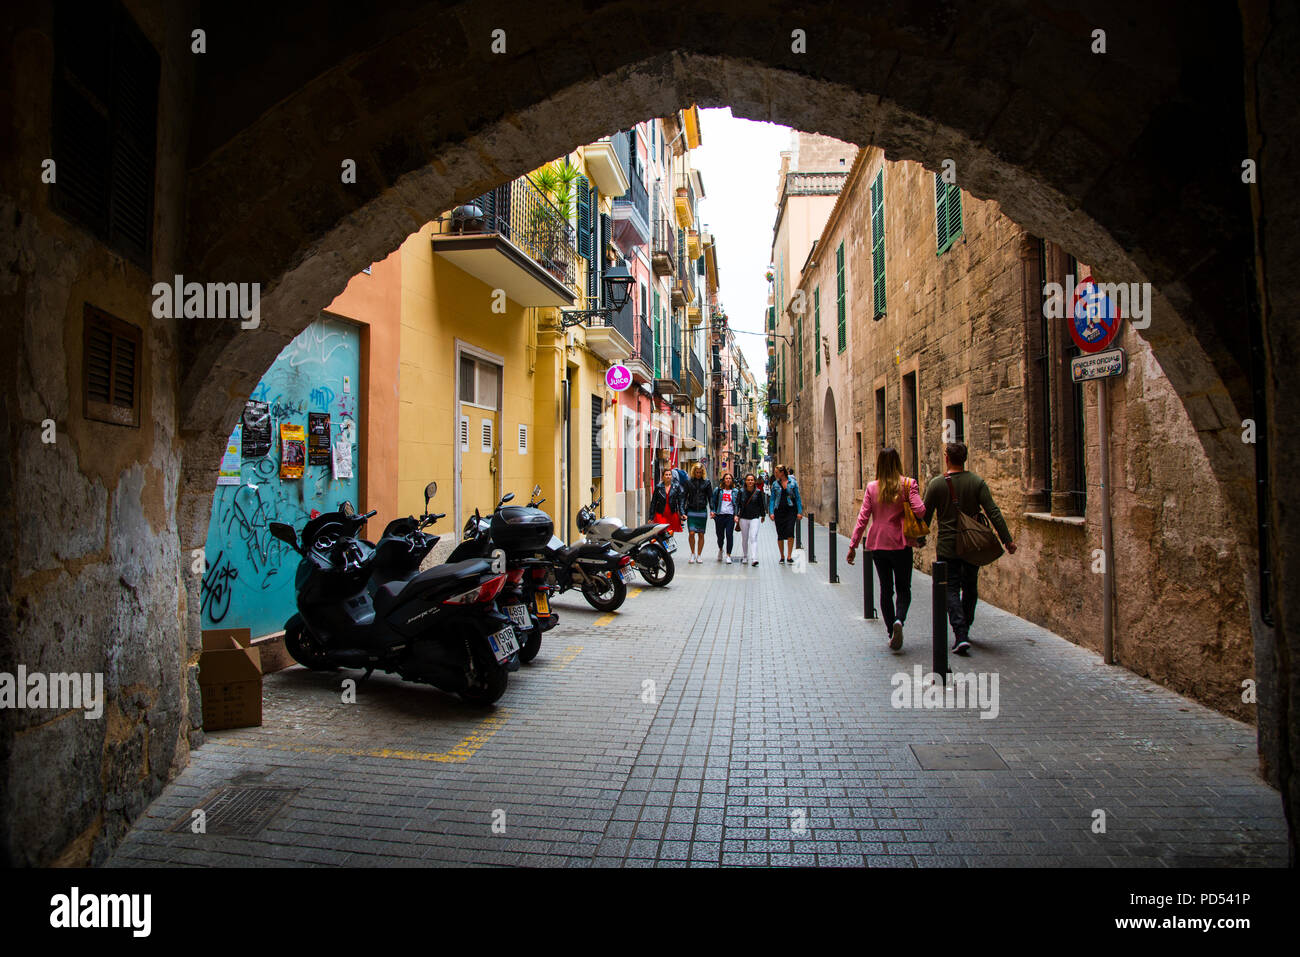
627, 534
391, 594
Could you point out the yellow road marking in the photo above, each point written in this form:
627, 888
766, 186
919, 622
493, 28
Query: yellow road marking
605, 619
634, 592
461, 752
570, 653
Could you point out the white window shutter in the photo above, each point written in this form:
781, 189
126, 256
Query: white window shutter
487, 435
523, 440
464, 433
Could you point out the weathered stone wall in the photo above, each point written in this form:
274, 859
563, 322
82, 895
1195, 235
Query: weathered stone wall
93, 566
957, 320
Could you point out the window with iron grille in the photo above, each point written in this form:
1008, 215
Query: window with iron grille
110, 368
947, 213
103, 125
841, 323
597, 414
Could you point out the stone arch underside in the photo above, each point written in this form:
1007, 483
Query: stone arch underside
1103, 155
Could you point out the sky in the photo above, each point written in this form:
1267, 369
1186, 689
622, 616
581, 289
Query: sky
738, 161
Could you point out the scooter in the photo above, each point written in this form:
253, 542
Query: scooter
650, 546
439, 627
510, 538
598, 570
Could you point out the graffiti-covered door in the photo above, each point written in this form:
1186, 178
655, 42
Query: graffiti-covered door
312, 386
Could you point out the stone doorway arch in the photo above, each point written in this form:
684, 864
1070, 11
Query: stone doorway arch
830, 458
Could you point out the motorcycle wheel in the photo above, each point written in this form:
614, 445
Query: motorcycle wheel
532, 646
491, 676
305, 649
659, 575
608, 597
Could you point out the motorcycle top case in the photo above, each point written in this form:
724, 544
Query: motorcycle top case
519, 528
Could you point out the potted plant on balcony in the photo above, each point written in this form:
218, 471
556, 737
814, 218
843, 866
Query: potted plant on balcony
548, 221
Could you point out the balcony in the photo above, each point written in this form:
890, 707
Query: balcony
611, 339
642, 362
683, 290
693, 243
632, 215
691, 127
606, 167
695, 383
512, 238
663, 254
670, 385
684, 206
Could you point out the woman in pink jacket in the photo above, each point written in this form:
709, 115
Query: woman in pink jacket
891, 552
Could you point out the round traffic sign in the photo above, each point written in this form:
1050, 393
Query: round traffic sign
1094, 319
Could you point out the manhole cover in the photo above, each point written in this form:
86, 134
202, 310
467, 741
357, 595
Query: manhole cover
958, 757
240, 811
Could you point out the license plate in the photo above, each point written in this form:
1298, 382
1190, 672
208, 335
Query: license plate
519, 615
543, 606
629, 574
504, 644
670, 546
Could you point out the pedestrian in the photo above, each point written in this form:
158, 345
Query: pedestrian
787, 508
960, 489
666, 502
698, 496
725, 499
750, 513
883, 505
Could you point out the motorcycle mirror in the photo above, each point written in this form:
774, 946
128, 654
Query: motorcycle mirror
537, 490
430, 491
347, 509
508, 497
284, 533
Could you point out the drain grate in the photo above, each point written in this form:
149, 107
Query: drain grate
239, 811
958, 757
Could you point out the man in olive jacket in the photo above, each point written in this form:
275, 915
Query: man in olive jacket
963, 578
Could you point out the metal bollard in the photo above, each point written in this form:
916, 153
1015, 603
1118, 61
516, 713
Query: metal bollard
939, 612
868, 586
812, 541
798, 536
835, 571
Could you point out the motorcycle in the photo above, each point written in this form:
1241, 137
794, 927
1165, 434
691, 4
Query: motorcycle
596, 569
650, 546
439, 627
510, 537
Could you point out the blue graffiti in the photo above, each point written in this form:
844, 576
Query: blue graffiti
321, 397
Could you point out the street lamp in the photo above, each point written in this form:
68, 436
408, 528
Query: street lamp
618, 282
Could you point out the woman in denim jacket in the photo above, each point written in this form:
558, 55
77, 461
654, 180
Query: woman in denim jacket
786, 508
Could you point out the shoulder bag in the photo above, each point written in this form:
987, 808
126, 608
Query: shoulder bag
913, 527
977, 543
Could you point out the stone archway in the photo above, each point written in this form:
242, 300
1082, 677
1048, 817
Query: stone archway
1105, 156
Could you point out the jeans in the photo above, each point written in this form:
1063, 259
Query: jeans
725, 525
963, 593
894, 568
749, 537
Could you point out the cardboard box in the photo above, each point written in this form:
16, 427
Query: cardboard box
230, 679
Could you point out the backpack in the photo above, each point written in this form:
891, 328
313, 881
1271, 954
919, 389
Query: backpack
977, 543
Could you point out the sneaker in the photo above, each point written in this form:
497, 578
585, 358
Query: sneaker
961, 646
896, 636
719, 554
728, 559
755, 564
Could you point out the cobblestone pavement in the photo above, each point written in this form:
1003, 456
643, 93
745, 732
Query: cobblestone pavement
768, 737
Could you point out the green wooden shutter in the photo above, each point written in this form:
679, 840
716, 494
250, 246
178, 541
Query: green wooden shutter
878, 243
658, 336
947, 213
817, 328
840, 324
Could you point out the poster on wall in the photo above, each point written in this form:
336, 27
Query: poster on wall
293, 451
342, 459
229, 472
256, 429
318, 438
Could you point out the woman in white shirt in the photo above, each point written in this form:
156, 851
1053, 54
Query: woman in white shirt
723, 513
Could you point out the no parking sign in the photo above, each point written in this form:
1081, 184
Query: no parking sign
1094, 318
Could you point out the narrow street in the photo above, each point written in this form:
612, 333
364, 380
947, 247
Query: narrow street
768, 737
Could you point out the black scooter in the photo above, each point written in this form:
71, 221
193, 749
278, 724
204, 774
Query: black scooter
439, 627
598, 570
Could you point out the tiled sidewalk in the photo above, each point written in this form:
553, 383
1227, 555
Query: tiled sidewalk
740, 716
